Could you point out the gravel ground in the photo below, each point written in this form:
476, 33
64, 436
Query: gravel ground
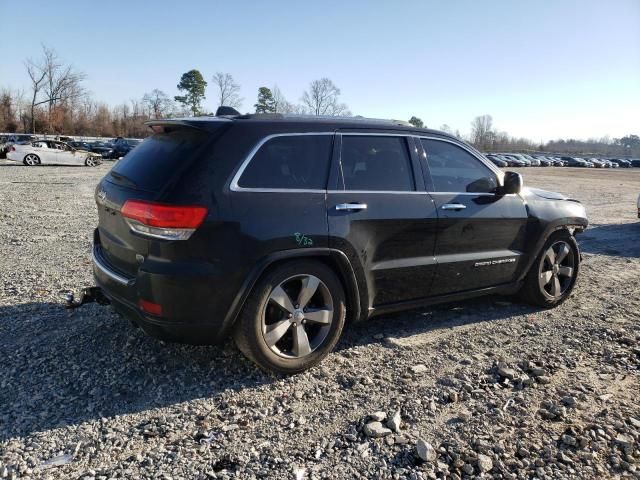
488, 387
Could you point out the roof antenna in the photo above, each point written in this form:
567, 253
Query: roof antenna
226, 111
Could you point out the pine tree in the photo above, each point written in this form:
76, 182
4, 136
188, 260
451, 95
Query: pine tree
194, 85
416, 122
266, 103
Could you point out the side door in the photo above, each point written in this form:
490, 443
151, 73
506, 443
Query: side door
54, 155
279, 195
481, 234
69, 156
381, 217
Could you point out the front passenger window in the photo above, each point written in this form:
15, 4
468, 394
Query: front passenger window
453, 169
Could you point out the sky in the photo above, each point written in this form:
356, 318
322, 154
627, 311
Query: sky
542, 69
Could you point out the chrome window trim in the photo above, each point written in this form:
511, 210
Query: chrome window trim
395, 192
462, 193
108, 272
235, 187
375, 134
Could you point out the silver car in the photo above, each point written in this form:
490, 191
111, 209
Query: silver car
50, 152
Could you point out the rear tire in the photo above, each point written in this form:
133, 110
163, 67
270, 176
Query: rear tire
554, 273
31, 160
293, 318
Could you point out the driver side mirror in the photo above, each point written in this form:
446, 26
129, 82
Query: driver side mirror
512, 183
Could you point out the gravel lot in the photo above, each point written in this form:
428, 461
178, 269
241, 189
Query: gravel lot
487, 387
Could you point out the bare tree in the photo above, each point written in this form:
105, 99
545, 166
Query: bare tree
322, 98
63, 83
37, 75
158, 103
280, 104
481, 131
228, 90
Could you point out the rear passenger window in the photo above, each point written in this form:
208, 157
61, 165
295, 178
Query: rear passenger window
453, 169
290, 162
376, 163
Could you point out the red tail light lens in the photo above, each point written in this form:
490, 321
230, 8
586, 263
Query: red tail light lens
161, 215
159, 220
150, 307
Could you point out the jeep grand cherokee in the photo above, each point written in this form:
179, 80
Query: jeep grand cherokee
278, 229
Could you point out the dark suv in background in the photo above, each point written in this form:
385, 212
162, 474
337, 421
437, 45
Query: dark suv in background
278, 229
122, 146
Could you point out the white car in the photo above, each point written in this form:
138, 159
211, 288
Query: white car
50, 152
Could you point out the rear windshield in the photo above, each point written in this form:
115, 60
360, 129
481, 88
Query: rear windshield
152, 163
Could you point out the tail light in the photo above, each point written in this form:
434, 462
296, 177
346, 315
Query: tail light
159, 220
12, 149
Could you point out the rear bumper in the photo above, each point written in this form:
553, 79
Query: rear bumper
192, 313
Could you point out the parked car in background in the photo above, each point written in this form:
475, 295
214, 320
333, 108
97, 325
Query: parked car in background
498, 162
122, 146
505, 159
51, 152
576, 162
635, 162
532, 160
80, 145
103, 148
516, 161
621, 162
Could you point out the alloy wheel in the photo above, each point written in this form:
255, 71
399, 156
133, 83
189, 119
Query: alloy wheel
90, 162
31, 160
297, 317
557, 270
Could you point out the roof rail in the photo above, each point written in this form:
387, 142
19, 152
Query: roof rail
306, 116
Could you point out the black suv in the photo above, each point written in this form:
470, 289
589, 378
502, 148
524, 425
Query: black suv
122, 146
279, 229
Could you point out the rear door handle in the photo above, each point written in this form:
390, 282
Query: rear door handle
453, 206
351, 207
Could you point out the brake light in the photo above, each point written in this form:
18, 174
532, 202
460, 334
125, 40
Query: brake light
159, 220
13, 149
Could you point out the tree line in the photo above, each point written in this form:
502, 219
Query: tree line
57, 102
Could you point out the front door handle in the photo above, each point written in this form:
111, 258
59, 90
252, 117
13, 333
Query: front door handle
453, 206
351, 207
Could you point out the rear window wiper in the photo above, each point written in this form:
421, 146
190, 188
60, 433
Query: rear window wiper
123, 179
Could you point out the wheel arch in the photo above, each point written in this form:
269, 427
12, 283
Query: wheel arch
332, 258
571, 229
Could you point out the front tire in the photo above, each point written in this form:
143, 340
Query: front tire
553, 275
293, 318
90, 162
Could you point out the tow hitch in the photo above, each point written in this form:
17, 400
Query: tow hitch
89, 295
